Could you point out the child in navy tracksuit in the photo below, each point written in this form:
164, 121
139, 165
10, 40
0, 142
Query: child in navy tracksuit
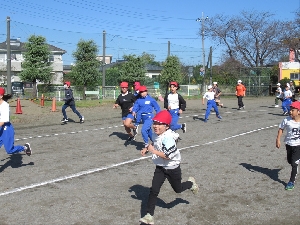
143, 110
69, 102
175, 104
7, 131
211, 103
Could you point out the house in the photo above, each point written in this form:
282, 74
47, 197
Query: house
17, 50
291, 69
153, 71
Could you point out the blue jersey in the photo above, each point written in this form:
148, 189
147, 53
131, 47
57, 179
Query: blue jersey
145, 105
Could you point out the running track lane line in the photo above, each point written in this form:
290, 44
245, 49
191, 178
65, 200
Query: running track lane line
116, 165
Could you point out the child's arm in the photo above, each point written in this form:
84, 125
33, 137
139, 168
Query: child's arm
280, 131
151, 149
203, 100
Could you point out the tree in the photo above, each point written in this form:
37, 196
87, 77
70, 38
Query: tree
171, 72
253, 38
36, 65
133, 69
86, 69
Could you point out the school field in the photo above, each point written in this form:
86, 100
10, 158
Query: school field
86, 174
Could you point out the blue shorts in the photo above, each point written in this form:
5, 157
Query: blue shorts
129, 116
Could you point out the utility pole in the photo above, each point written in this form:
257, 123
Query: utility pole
8, 54
202, 20
210, 60
103, 66
168, 48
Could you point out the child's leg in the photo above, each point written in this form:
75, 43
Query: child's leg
146, 129
209, 105
293, 158
75, 111
283, 106
63, 109
214, 105
8, 135
157, 182
276, 101
174, 178
175, 117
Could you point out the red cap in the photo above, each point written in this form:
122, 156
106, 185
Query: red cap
142, 88
2, 91
136, 85
296, 105
174, 83
124, 85
163, 117
68, 83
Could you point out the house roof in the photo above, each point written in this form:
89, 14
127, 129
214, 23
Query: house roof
153, 67
16, 45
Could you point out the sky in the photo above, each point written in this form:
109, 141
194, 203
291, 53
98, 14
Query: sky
132, 26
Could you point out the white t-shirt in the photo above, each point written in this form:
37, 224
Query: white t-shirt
173, 101
4, 112
287, 93
278, 92
210, 95
292, 128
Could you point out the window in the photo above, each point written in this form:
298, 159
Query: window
51, 58
295, 76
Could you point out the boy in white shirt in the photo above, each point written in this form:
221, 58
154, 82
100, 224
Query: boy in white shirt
278, 95
7, 131
211, 103
292, 141
166, 157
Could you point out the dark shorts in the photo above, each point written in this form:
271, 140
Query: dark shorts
292, 154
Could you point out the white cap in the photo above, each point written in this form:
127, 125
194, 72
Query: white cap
278, 84
209, 87
215, 82
239, 81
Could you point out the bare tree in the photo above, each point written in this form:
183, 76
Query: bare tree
253, 38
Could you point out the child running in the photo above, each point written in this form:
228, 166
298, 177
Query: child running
69, 102
278, 95
7, 131
210, 96
175, 104
287, 100
292, 141
125, 100
143, 110
166, 157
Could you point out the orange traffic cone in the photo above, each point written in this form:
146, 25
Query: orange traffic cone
53, 105
18, 108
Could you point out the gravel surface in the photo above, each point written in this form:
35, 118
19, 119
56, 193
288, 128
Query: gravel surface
86, 174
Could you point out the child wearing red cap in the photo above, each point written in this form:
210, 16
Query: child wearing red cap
69, 102
7, 131
126, 100
143, 110
175, 104
292, 141
166, 157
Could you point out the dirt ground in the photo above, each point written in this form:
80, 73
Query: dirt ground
86, 174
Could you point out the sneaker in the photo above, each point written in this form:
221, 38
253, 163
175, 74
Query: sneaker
183, 127
243, 107
64, 120
195, 187
220, 117
276, 106
148, 219
239, 108
27, 149
135, 131
130, 139
205, 120
81, 120
289, 186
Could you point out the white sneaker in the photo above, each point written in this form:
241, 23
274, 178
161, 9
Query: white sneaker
195, 187
148, 219
81, 120
276, 106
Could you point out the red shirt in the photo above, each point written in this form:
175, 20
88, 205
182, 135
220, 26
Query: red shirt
240, 90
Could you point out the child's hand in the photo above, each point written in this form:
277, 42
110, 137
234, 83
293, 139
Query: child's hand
150, 148
278, 143
144, 151
115, 106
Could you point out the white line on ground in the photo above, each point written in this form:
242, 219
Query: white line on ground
109, 167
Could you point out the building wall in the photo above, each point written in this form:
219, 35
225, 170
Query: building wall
288, 68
